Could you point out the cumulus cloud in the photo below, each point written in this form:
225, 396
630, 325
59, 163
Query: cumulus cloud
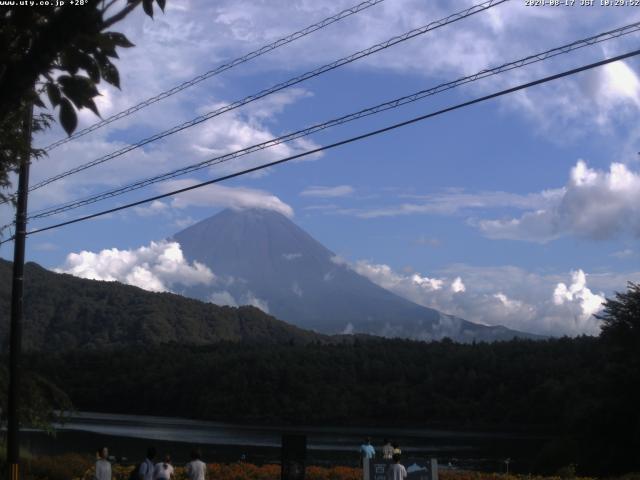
158, 267
387, 278
456, 201
458, 286
579, 295
328, 192
223, 297
156, 207
250, 299
551, 304
223, 196
594, 204
349, 329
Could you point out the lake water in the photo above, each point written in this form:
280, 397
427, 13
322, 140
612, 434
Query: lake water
128, 436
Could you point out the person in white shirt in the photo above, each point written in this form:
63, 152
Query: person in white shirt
387, 450
145, 471
103, 467
163, 470
196, 469
396, 470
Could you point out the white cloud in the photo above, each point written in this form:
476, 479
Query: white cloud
338, 260
184, 222
617, 87
180, 44
455, 201
580, 296
222, 196
387, 278
349, 329
158, 267
154, 208
250, 299
328, 192
510, 296
594, 204
291, 256
295, 288
625, 253
458, 286
223, 298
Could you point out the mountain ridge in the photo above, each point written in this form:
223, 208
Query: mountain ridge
63, 312
265, 254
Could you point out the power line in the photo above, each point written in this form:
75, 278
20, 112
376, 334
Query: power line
221, 68
280, 86
344, 142
531, 59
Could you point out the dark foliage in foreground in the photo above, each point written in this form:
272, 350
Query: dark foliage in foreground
568, 388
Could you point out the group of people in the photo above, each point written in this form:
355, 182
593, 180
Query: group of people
390, 452
196, 469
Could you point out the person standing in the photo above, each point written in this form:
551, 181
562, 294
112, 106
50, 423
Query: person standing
163, 470
196, 469
103, 467
387, 450
367, 452
145, 471
396, 471
396, 448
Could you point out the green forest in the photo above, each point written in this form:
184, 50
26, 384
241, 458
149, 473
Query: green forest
103, 346
63, 312
578, 391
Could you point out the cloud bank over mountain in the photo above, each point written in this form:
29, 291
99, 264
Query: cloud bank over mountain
158, 267
560, 304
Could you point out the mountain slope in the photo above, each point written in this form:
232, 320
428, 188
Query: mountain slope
63, 312
267, 260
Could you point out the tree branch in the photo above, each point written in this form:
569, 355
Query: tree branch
108, 6
121, 14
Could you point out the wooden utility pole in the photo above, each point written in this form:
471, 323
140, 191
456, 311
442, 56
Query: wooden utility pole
15, 335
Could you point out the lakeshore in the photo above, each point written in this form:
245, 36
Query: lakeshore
128, 436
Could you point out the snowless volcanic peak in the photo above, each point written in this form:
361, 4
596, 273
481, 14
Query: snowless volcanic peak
261, 257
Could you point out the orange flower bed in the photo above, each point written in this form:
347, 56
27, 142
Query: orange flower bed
77, 467
245, 471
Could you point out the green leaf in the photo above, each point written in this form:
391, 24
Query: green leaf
108, 70
147, 6
68, 118
91, 105
89, 65
119, 39
68, 61
107, 44
161, 4
53, 92
78, 89
38, 102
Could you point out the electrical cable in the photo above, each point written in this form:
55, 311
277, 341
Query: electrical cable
394, 126
221, 68
395, 103
278, 87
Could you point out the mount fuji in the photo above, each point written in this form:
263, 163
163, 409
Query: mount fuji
261, 257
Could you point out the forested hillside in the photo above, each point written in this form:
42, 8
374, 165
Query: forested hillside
63, 312
570, 389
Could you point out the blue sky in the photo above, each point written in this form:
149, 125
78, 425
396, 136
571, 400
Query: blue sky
527, 204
